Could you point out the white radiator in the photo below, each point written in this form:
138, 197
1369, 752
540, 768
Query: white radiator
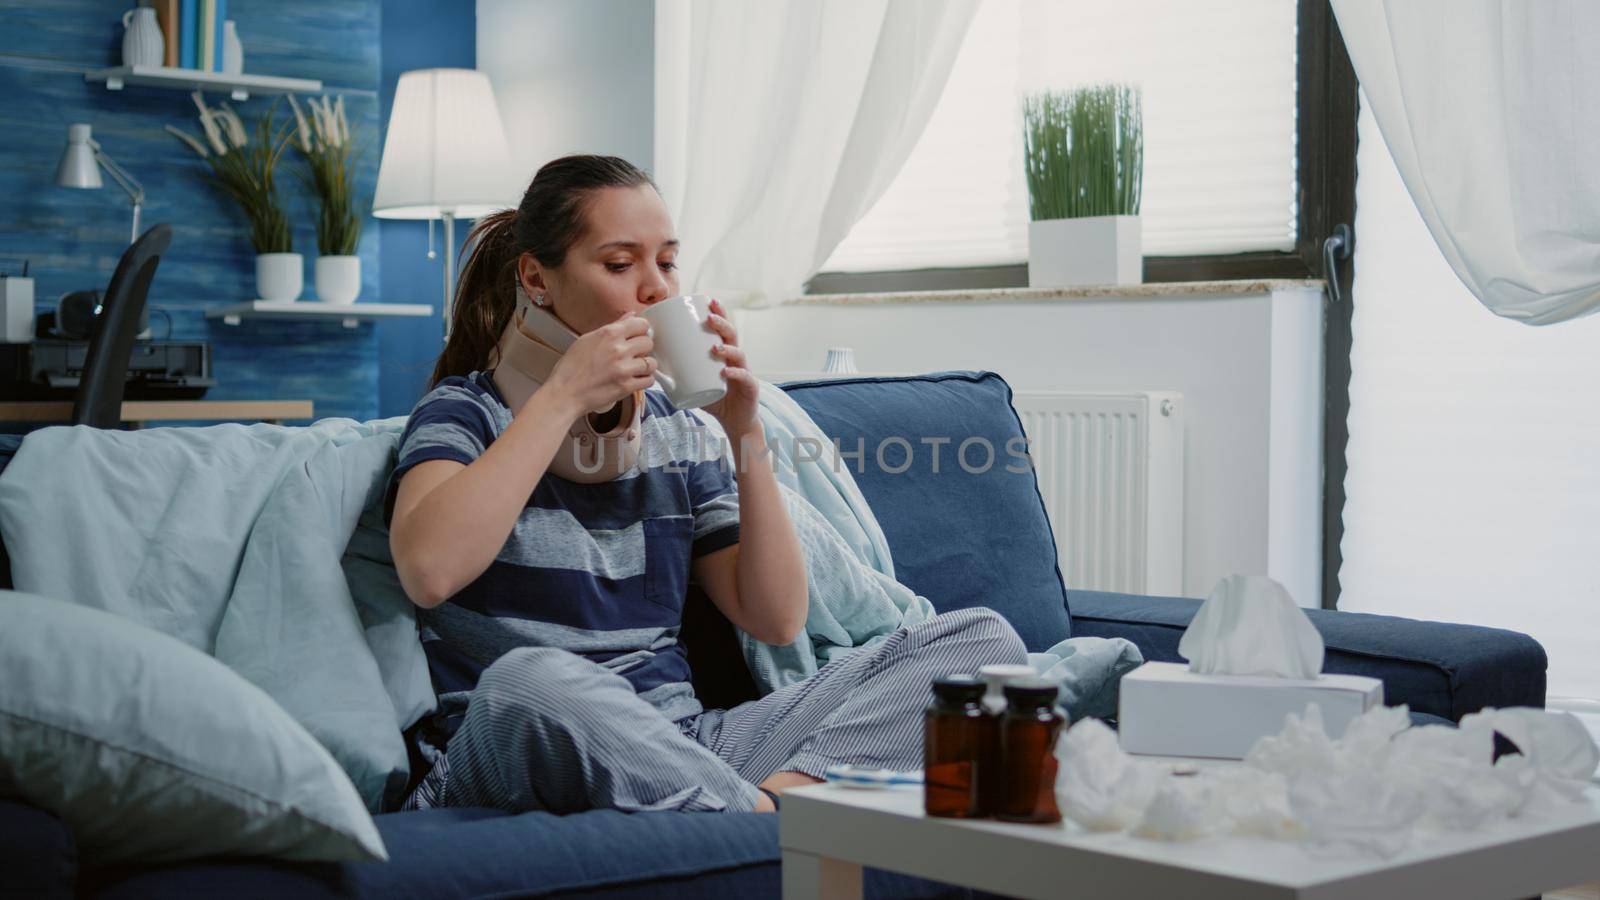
1110, 469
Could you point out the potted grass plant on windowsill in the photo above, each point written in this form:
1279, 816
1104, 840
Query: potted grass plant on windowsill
1084, 155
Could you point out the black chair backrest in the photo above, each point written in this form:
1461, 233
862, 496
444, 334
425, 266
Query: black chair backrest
105, 370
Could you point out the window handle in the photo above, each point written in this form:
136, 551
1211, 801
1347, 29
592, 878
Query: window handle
1335, 248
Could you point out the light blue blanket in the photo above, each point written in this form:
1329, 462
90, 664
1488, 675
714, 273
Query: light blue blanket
855, 601
231, 539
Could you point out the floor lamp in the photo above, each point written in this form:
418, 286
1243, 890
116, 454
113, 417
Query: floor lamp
444, 157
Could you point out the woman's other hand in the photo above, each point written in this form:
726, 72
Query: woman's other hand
606, 365
737, 408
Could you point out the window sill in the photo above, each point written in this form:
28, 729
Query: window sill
1197, 289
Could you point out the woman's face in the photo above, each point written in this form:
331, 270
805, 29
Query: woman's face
625, 260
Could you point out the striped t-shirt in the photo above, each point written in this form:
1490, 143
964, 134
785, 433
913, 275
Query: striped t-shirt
598, 569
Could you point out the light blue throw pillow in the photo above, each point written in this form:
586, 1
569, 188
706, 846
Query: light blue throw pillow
153, 751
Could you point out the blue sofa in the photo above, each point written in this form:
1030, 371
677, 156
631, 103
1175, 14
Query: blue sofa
961, 538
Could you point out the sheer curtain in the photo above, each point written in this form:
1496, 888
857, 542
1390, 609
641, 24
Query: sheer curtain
1474, 482
1491, 110
779, 123
1474, 489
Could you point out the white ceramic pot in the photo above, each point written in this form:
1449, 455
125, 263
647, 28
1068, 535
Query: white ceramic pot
1091, 250
142, 43
338, 278
280, 276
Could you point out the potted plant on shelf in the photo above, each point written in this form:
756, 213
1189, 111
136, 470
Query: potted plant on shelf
329, 152
243, 169
1084, 152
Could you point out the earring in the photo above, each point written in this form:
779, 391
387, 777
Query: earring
538, 299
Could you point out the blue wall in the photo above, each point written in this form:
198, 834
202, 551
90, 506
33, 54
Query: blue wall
417, 34
74, 238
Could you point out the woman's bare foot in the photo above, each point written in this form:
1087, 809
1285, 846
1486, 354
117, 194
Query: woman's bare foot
777, 783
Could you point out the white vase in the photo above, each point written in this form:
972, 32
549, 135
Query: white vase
1091, 250
232, 51
280, 276
841, 361
338, 279
142, 43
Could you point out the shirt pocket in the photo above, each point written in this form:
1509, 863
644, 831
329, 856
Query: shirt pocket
667, 542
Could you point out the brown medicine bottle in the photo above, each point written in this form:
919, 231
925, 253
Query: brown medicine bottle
954, 728
1028, 733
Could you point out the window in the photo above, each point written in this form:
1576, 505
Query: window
1219, 83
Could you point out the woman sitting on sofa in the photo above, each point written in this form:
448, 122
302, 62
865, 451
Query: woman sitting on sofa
551, 579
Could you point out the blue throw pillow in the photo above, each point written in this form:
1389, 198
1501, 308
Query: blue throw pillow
943, 464
152, 751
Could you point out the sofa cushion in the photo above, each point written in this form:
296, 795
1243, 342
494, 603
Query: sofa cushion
37, 854
151, 750
1437, 668
962, 535
449, 853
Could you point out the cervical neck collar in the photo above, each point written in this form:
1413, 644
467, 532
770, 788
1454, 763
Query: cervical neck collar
599, 445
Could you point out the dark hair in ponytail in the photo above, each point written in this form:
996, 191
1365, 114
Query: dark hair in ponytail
547, 222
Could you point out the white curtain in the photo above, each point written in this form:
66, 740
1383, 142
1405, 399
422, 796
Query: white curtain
1491, 109
779, 124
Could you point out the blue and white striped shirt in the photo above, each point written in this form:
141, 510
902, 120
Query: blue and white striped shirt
598, 569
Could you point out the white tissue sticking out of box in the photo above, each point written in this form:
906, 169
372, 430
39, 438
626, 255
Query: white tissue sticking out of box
1251, 626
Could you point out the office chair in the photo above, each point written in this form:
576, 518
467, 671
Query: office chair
98, 402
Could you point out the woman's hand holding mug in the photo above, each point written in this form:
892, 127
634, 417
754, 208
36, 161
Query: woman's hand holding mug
606, 365
737, 410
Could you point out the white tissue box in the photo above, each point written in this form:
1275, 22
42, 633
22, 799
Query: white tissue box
1166, 710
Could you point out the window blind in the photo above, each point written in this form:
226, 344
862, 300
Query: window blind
1218, 85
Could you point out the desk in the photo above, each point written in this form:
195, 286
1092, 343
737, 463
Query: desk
138, 412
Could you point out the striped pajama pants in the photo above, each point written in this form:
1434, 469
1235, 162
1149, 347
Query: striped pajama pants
549, 730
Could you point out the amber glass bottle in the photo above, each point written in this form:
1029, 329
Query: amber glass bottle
1028, 733
953, 732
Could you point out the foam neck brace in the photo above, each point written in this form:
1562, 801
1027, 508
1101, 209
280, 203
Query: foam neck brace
599, 445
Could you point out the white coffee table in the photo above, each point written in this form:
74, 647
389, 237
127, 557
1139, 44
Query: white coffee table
829, 832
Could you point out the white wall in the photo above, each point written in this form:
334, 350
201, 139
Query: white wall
1249, 367
1474, 485
571, 76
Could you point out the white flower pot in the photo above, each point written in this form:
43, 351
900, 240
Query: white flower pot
338, 278
1092, 250
280, 276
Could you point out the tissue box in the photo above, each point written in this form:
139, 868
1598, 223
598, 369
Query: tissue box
1166, 710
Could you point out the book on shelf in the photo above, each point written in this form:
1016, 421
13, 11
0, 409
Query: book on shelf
219, 14
167, 18
187, 11
207, 36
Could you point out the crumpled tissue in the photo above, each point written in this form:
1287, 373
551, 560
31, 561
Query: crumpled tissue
1374, 790
1251, 626
1104, 789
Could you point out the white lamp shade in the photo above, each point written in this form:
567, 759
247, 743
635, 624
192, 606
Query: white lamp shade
78, 168
446, 151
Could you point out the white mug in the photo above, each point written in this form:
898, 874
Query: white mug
686, 370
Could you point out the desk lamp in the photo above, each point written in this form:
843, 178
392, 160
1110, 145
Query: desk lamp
80, 167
